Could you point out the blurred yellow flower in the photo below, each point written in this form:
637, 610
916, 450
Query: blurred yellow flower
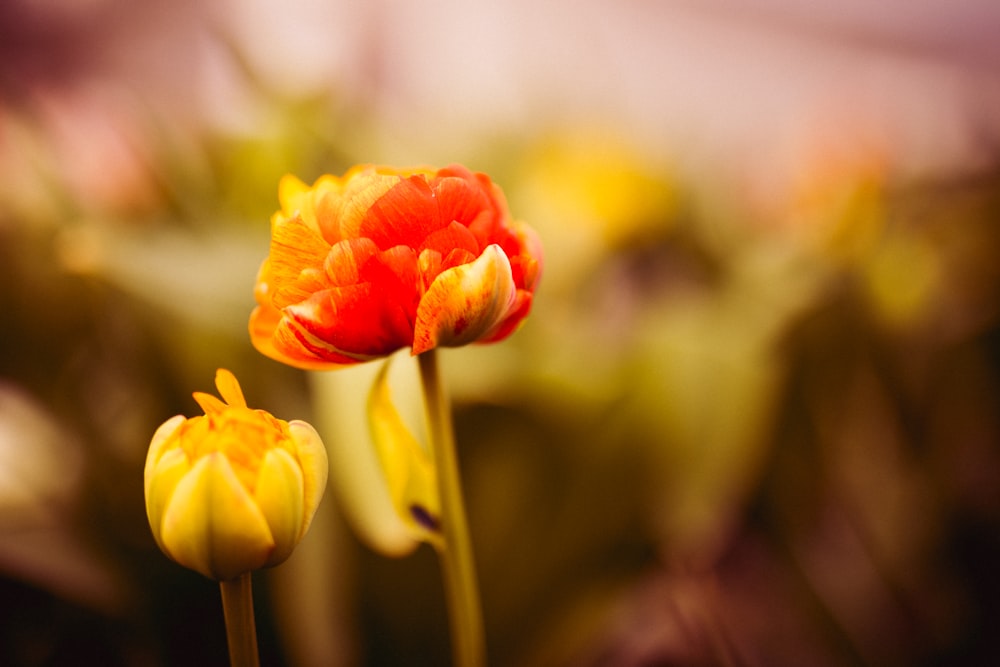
233, 490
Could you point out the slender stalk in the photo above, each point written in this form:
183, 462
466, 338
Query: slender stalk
241, 630
458, 567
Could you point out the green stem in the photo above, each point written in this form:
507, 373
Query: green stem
465, 614
241, 630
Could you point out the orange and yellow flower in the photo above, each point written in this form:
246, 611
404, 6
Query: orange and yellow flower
233, 490
383, 259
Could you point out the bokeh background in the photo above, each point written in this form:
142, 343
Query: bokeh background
753, 420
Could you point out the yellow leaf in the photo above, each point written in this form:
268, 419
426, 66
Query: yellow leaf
408, 469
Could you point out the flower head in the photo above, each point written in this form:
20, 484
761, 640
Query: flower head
233, 490
384, 259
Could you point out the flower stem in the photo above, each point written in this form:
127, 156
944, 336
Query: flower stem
468, 643
241, 631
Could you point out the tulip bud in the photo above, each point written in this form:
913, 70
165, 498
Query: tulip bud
233, 490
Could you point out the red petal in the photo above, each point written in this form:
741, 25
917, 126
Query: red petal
404, 215
484, 227
297, 347
511, 323
455, 235
355, 320
396, 278
460, 199
273, 336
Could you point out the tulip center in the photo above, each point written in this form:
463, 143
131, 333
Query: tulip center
240, 434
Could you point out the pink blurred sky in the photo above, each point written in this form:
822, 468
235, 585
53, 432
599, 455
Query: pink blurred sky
706, 82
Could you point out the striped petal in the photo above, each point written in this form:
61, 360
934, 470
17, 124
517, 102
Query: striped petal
465, 302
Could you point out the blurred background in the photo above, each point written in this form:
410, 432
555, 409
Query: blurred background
754, 418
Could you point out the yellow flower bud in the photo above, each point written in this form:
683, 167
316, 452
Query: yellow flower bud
233, 490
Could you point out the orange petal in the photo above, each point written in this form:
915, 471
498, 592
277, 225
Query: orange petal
210, 404
229, 388
346, 259
465, 302
295, 265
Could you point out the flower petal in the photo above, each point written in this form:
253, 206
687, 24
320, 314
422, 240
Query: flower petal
363, 186
290, 344
404, 215
264, 325
354, 321
514, 319
344, 262
212, 524
460, 197
315, 466
465, 302
210, 404
295, 265
161, 482
364, 320
526, 262
160, 439
291, 191
452, 237
229, 388
279, 497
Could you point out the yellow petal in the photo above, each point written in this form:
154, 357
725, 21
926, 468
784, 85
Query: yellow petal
409, 471
212, 525
159, 440
290, 192
229, 388
315, 469
160, 484
465, 302
279, 497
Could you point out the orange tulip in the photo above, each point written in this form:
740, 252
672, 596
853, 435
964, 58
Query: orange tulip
384, 259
